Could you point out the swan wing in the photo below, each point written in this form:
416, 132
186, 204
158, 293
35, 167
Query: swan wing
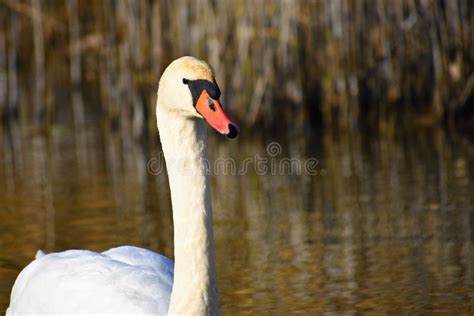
122, 280
141, 257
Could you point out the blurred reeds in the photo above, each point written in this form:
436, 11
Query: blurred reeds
335, 63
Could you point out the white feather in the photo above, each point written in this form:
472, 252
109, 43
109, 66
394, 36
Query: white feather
40, 253
125, 280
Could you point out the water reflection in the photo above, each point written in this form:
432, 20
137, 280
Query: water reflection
387, 227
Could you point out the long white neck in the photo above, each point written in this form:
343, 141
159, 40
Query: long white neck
184, 143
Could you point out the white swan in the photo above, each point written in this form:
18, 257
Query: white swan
131, 280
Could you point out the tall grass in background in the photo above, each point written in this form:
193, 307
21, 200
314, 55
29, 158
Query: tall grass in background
338, 64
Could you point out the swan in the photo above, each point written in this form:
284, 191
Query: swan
135, 281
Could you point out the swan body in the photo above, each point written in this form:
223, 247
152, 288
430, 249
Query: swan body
134, 281
123, 280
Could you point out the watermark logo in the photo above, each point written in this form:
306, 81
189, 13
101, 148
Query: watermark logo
273, 163
274, 149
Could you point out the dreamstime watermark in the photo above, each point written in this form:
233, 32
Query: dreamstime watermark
271, 164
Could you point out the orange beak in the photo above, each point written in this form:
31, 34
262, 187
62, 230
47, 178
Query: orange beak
213, 113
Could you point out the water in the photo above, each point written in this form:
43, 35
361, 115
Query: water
382, 224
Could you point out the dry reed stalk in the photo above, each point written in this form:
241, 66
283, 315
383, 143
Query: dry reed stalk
75, 61
3, 75
12, 69
337, 63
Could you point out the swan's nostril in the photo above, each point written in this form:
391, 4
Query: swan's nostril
211, 104
233, 131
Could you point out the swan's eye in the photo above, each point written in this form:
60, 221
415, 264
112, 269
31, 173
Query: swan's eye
211, 104
185, 81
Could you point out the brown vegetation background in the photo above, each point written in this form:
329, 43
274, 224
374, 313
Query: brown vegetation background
338, 64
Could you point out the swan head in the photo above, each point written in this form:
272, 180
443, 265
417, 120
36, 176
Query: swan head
189, 88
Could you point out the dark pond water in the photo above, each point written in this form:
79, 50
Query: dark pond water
369, 224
